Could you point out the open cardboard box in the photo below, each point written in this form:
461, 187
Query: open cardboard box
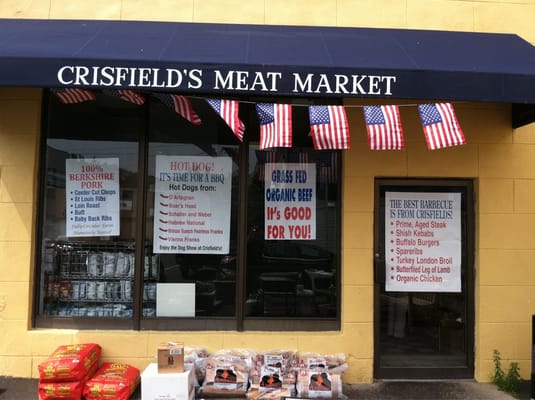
171, 357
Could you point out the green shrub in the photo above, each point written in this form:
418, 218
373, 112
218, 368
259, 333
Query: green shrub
507, 382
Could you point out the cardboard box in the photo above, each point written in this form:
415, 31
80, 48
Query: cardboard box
170, 357
168, 386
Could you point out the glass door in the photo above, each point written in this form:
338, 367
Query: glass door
423, 279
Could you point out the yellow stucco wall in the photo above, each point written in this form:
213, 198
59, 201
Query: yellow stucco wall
505, 16
19, 132
503, 162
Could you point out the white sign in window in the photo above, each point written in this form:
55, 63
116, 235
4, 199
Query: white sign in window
423, 242
192, 198
175, 299
290, 201
92, 197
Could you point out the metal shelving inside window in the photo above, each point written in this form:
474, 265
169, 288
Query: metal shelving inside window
89, 279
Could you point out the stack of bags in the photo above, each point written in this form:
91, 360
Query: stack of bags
113, 380
72, 372
65, 372
267, 375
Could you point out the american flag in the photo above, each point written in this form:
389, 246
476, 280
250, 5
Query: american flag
126, 95
328, 167
228, 110
299, 157
275, 125
329, 127
383, 124
181, 105
440, 125
262, 158
73, 95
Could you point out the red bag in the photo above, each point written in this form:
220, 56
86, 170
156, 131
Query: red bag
76, 362
60, 390
113, 380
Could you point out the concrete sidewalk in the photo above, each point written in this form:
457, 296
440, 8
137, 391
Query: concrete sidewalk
26, 389
432, 390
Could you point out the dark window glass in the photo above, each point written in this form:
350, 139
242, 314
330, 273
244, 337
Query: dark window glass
423, 330
197, 279
181, 242
288, 272
88, 224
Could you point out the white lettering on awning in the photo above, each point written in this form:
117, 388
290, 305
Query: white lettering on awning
231, 80
344, 84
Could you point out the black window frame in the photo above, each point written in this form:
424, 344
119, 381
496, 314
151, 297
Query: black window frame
466, 187
239, 322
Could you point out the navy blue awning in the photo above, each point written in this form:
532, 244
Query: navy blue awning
262, 60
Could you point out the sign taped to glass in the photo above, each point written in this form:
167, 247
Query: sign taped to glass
290, 201
92, 197
192, 204
423, 242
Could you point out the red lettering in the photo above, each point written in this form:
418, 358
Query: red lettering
300, 231
275, 232
91, 185
301, 213
202, 166
179, 165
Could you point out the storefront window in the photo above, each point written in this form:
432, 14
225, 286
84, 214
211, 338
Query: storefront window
221, 249
89, 197
192, 202
292, 233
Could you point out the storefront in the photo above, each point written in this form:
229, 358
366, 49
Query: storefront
161, 210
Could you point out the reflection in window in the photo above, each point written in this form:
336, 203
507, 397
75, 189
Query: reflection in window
191, 243
88, 260
290, 277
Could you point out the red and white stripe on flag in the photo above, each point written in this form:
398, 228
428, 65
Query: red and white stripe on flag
440, 125
73, 95
131, 96
329, 127
126, 95
263, 158
275, 125
228, 110
383, 124
181, 105
328, 168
